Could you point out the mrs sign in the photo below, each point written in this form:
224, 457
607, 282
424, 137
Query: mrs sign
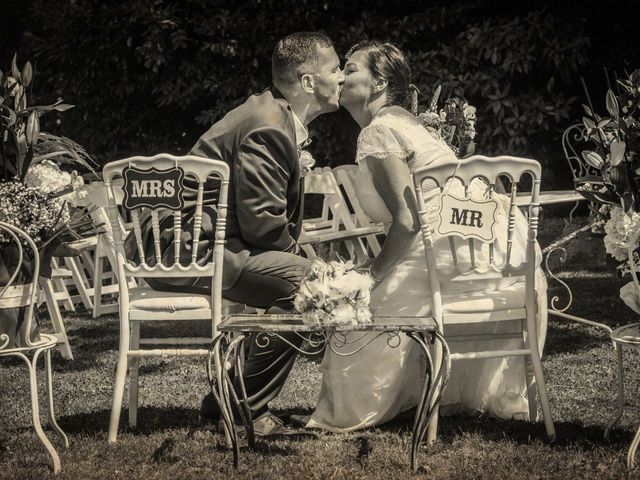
153, 188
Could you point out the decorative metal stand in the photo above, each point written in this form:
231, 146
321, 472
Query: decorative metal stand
228, 348
626, 335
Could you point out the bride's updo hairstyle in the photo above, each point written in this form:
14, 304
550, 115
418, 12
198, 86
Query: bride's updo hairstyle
386, 61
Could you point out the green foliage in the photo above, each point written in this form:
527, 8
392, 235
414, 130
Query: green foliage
22, 143
152, 76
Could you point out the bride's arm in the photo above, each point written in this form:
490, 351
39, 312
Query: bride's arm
392, 180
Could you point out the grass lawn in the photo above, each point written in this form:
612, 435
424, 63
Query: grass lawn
170, 444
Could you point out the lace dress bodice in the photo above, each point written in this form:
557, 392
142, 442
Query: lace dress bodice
394, 134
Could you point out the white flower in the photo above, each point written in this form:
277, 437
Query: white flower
306, 162
618, 230
629, 296
333, 293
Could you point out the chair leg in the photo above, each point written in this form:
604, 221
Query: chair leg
62, 292
35, 411
436, 355
79, 279
620, 400
134, 364
530, 379
98, 268
52, 417
532, 340
118, 389
46, 287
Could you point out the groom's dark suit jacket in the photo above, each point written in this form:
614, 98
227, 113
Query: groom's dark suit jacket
258, 142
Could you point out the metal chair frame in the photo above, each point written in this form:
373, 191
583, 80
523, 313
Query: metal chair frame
16, 296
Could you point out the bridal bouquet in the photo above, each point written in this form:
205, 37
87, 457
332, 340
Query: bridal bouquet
454, 123
334, 293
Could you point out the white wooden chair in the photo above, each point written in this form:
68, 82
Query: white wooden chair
345, 177
143, 304
105, 264
464, 234
335, 225
25, 296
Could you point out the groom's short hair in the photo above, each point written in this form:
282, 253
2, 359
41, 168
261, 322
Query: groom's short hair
295, 55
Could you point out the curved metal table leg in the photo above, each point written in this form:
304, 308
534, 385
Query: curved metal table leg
35, 410
620, 401
632, 450
432, 391
52, 416
220, 391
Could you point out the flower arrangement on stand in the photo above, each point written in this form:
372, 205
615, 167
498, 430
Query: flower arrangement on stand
37, 195
454, 123
334, 293
615, 157
614, 177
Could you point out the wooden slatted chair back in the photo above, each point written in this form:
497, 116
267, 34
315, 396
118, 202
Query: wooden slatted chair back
182, 260
473, 223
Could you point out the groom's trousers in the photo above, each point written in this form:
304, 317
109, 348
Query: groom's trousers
269, 280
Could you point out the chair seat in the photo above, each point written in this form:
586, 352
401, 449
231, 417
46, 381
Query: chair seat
503, 299
151, 300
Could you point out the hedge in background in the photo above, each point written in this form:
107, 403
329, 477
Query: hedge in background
153, 75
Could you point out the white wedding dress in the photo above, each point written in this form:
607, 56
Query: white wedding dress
383, 380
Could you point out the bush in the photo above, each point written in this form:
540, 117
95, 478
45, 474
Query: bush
150, 76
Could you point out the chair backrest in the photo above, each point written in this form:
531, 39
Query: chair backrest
345, 176
13, 295
469, 229
321, 181
179, 258
574, 141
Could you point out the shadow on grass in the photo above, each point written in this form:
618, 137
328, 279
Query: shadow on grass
150, 420
568, 433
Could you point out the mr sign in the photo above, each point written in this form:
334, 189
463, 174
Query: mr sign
467, 218
153, 188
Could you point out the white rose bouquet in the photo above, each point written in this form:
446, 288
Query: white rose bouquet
334, 293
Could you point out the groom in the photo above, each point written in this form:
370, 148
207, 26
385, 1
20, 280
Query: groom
260, 141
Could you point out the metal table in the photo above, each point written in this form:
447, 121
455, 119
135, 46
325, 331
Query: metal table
621, 336
228, 348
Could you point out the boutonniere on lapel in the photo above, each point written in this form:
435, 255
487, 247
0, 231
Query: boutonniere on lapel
305, 158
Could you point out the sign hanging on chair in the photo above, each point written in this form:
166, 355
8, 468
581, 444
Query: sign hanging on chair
467, 218
153, 188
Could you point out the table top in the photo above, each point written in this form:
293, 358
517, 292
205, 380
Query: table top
293, 323
552, 197
629, 334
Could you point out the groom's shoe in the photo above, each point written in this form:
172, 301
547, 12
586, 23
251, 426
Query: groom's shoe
268, 425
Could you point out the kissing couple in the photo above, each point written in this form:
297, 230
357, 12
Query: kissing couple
261, 141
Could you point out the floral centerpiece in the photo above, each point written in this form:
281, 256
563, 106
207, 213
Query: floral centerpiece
334, 293
454, 123
37, 195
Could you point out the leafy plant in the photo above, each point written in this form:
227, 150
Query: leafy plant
615, 156
19, 123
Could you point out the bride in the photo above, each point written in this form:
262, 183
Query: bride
381, 381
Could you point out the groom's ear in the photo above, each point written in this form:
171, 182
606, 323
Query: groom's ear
307, 82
